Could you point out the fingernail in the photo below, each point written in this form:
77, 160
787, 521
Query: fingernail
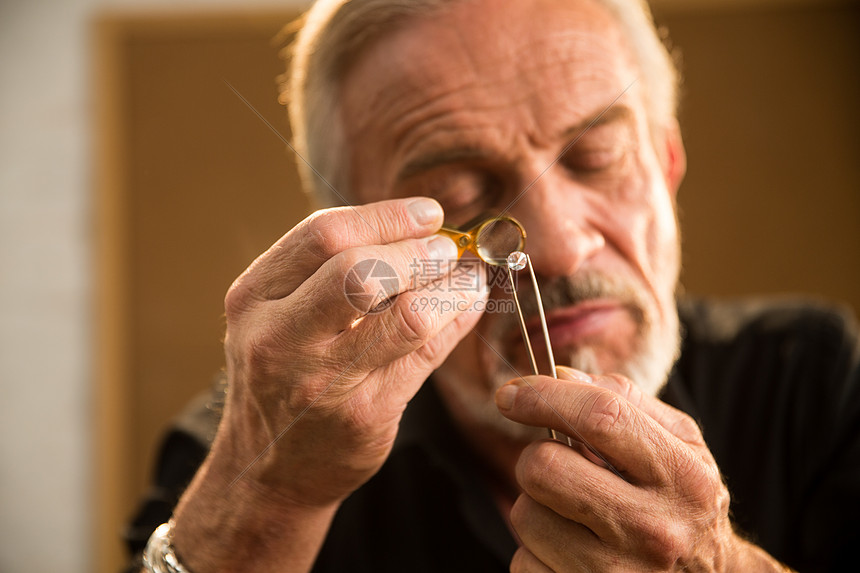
506, 395
441, 248
425, 211
567, 373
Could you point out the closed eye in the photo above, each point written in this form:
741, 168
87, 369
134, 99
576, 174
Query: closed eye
604, 151
463, 191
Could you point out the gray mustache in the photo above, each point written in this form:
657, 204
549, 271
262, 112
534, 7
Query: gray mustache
562, 292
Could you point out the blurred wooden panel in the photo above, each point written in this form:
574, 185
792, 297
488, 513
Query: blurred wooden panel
199, 187
210, 187
771, 203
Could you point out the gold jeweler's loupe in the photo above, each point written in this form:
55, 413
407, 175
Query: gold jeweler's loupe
492, 239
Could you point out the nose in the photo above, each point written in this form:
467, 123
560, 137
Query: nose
562, 227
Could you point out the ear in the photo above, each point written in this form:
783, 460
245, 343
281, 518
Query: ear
673, 158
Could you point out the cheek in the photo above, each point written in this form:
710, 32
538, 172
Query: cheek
631, 223
662, 260
663, 239
640, 224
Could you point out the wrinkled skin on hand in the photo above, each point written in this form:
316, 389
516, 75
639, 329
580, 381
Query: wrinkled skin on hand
670, 512
315, 394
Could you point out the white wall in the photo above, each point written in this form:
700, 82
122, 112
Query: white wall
44, 286
45, 279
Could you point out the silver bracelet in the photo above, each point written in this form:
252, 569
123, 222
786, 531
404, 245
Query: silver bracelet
158, 557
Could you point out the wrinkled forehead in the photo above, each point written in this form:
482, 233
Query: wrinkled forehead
490, 55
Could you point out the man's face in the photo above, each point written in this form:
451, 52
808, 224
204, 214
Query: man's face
531, 107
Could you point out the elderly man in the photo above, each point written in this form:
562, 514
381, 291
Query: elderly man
404, 436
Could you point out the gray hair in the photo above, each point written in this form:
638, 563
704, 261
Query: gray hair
333, 35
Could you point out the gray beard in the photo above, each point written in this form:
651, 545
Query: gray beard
655, 350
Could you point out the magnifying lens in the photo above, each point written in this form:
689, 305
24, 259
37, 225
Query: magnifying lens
492, 239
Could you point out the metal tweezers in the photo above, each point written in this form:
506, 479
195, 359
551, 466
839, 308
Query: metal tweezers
517, 261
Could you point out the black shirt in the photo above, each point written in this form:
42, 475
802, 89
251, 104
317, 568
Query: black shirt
775, 388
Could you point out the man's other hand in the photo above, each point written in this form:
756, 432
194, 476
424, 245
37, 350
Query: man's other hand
669, 511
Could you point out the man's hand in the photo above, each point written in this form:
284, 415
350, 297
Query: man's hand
319, 377
297, 359
669, 513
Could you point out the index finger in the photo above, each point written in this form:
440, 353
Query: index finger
628, 438
674, 420
303, 250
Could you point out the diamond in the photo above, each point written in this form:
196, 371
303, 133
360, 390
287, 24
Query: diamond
517, 261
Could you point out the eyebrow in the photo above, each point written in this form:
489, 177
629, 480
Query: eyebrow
444, 157
617, 112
